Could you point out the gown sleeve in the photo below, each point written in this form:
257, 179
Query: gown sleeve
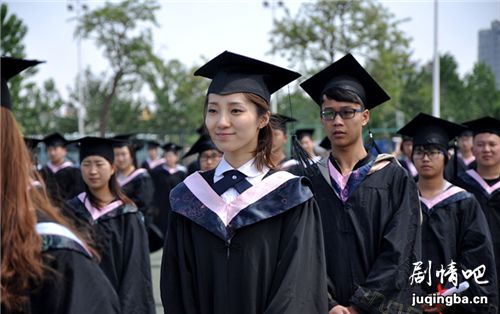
75, 284
301, 266
388, 280
135, 290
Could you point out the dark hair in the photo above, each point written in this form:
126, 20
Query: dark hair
264, 148
115, 190
343, 95
430, 147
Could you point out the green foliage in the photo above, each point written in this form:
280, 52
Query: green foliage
123, 31
13, 32
38, 110
324, 30
178, 96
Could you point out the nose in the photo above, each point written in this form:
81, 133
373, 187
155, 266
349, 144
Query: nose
337, 120
223, 121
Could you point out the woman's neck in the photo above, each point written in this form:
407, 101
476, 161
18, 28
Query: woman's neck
237, 160
127, 171
430, 187
488, 172
103, 194
347, 158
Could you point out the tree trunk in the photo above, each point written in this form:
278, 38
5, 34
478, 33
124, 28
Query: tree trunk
103, 122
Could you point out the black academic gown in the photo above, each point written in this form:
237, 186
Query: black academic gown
75, 284
451, 174
163, 183
373, 238
138, 186
269, 259
488, 196
455, 229
64, 184
122, 242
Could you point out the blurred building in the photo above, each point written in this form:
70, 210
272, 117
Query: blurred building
489, 48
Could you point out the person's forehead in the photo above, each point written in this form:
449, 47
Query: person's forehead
486, 137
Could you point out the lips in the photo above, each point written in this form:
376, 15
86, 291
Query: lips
223, 136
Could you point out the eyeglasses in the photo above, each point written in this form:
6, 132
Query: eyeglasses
433, 154
212, 157
330, 115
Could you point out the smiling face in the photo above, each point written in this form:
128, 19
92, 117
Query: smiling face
344, 133
233, 124
96, 171
123, 158
486, 149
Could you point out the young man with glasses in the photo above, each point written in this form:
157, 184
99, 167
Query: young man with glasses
369, 205
454, 229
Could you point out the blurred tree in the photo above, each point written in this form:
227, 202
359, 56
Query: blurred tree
36, 109
124, 110
39, 109
123, 31
13, 32
323, 30
481, 98
178, 97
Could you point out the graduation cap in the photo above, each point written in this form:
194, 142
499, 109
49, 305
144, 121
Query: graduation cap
9, 68
31, 143
304, 132
128, 140
203, 144
484, 125
325, 143
55, 140
96, 146
429, 130
233, 73
346, 74
152, 144
171, 147
279, 121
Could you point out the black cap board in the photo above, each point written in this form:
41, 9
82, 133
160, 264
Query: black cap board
429, 130
152, 144
279, 121
10, 67
32, 143
484, 125
203, 144
171, 147
55, 140
96, 146
304, 132
346, 74
233, 73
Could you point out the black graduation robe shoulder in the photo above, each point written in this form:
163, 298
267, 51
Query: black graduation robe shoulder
75, 283
122, 242
488, 197
62, 183
163, 183
455, 229
372, 235
261, 253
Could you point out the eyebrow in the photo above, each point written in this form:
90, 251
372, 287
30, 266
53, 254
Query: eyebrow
233, 103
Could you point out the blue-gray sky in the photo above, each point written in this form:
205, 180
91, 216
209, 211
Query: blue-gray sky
191, 29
